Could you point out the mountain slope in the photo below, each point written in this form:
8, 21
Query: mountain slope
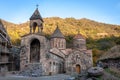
68, 26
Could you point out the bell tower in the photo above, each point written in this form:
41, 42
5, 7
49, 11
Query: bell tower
36, 22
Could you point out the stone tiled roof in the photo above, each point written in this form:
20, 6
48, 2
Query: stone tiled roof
36, 15
79, 36
57, 52
113, 53
57, 33
67, 51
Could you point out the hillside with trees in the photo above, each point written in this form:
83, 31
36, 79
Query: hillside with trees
100, 36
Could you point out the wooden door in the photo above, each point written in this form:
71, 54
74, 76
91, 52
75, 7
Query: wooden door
78, 69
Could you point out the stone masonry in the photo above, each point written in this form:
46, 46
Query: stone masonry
41, 56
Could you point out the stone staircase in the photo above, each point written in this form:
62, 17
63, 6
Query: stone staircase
32, 70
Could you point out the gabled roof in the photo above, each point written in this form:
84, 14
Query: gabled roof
36, 15
57, 33
57, 52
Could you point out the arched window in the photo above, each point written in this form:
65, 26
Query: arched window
34, 27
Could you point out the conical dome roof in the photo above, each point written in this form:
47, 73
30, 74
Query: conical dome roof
79, 36
36, 15
57, 33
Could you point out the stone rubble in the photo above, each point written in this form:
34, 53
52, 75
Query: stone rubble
32, 70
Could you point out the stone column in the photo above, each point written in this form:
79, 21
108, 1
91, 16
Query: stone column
41, 29
38, 28
30, 29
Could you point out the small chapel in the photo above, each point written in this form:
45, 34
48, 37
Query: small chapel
41, 56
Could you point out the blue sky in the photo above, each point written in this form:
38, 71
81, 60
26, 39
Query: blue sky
19, 11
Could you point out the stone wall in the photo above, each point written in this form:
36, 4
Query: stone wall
25, 51
80, 58
59, 43
112, 63
79, 44
56, 64
4, 59
34, 70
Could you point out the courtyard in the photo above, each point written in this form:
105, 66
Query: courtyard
54, 77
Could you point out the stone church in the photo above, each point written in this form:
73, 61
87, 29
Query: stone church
41, 56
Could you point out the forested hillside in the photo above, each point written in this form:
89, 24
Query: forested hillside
100, 36
69, 26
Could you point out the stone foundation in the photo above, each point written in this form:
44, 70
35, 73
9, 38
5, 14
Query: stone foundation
33, 70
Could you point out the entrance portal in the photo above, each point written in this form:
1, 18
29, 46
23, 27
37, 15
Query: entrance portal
78, 68
35, 51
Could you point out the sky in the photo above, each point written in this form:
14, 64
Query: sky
19, 11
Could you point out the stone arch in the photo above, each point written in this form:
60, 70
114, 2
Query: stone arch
61, 67
78, 68
34, 26
34, 50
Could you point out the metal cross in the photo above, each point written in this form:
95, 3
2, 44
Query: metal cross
37, 5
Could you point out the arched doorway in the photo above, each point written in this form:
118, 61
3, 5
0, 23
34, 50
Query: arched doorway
78, 68
35, 51
61, 67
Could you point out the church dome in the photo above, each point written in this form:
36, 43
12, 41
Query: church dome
57, 33
79, 36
